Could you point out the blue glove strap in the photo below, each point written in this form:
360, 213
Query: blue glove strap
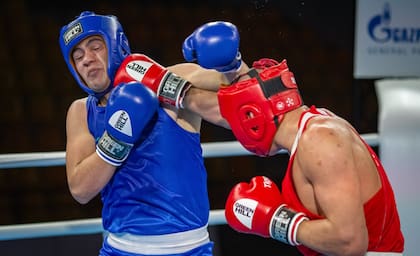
233, 66
111, 150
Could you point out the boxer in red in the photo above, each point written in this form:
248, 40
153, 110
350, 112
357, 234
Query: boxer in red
335, 198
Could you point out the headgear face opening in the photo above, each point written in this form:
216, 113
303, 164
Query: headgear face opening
88, 24
255, 107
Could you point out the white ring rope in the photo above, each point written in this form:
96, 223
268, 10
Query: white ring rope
94, 226
74, 227
211, 149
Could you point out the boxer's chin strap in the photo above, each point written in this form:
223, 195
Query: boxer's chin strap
234, 81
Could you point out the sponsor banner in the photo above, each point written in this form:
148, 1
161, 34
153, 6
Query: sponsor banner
387, 39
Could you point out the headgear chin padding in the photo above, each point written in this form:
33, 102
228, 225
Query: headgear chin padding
88, 24
255, 107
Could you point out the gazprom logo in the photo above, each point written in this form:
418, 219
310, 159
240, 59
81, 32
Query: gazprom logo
380, 29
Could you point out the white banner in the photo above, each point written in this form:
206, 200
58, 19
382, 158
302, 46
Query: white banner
399, 150
387, 39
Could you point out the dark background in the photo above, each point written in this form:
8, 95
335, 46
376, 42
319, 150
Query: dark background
316, 37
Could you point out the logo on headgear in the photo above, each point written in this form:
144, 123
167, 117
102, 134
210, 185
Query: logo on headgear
280, 105
72, 32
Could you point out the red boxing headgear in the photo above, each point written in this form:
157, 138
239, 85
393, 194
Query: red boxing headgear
255, 107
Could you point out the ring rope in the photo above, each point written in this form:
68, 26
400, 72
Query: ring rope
74, 227
211, 149
94, 225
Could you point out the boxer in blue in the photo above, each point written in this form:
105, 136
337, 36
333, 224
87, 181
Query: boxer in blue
135, 138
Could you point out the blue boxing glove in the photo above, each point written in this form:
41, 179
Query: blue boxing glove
130, 107
214, 45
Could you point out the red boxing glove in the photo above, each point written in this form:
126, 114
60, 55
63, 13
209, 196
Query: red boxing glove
258, 208
169, 87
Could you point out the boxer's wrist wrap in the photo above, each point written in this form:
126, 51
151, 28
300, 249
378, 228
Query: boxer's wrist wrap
284, 225
172, 89
111, 150
232, 74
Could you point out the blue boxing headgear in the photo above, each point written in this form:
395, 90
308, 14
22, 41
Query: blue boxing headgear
88, 24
